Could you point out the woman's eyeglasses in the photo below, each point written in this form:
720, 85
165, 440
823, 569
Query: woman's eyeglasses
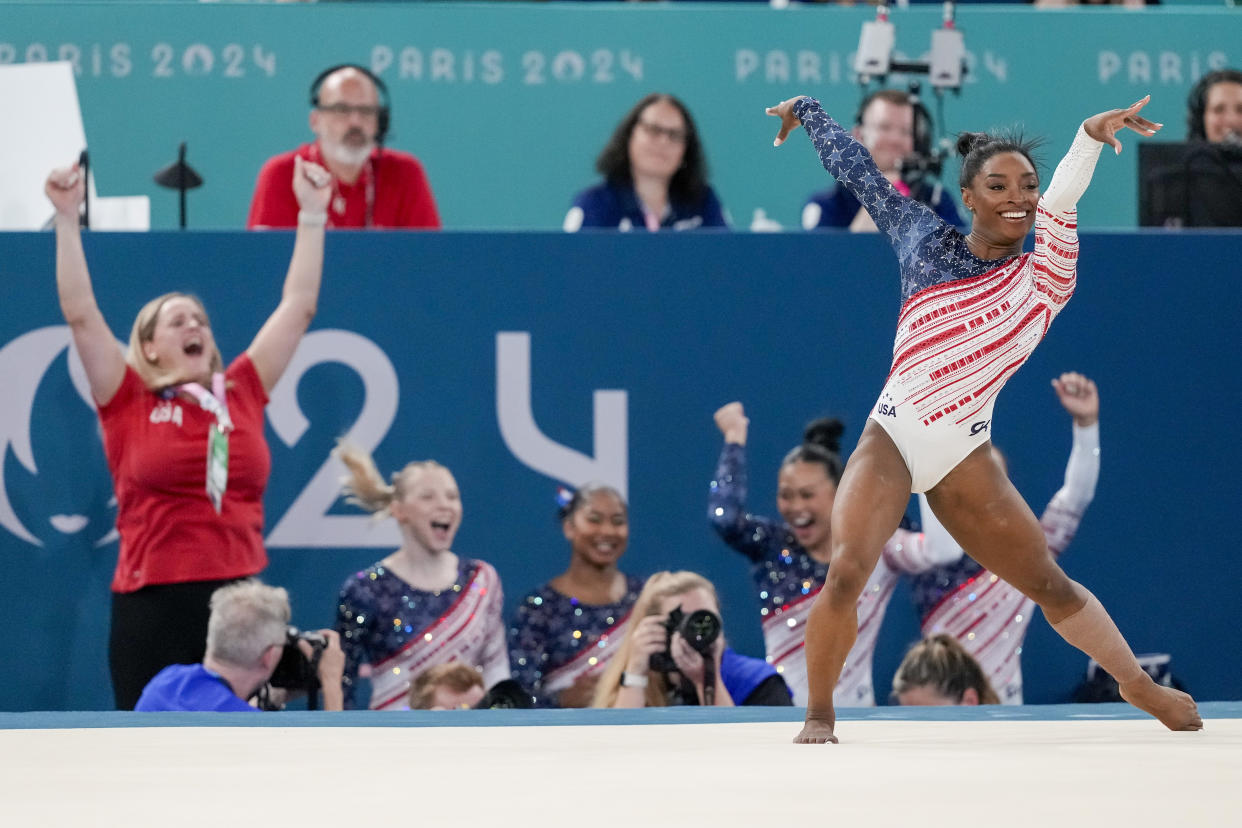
677, 136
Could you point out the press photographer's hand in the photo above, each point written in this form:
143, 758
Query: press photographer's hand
690, 663
649, 639
331, 669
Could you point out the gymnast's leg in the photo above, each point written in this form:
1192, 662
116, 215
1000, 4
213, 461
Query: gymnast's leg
871, 499
986, 515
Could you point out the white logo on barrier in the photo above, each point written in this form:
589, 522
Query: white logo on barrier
307, 522
23, 364
532, 447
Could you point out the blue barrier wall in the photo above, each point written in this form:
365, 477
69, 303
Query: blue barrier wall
404, 353
508, 104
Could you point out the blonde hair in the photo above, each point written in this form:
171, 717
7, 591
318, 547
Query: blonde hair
942, 663
153, 376
365, 486
658, 587
454, 675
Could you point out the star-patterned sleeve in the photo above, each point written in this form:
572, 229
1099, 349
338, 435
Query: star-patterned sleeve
726, 507
528, 636
895, 215
355, 625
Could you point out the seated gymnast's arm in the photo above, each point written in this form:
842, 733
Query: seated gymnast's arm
1064, 512
726, 499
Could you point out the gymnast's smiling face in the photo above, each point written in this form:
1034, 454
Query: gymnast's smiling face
1002, 196
804, 496
429, 509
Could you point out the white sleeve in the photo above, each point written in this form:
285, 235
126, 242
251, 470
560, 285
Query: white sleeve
495, 660
1072, 175
1082, 471
1064, 513
916, 552
941, 548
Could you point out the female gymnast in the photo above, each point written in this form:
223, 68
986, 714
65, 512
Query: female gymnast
973, 309
423, 604
789, 557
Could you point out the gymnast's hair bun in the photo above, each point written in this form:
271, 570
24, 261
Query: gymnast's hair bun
825, 432
967, 141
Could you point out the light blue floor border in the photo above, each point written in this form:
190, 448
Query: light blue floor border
43, 720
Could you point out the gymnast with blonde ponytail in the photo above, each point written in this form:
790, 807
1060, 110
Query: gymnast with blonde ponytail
423, 604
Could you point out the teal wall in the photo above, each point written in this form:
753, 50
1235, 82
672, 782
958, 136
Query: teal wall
508, 104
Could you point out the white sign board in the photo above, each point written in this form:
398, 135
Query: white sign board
45, 131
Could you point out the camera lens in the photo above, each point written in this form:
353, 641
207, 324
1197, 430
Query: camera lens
700, 629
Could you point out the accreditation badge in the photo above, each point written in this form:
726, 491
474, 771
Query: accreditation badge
217, 466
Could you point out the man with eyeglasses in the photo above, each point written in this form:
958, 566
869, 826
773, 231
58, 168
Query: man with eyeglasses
373, 186
888, 126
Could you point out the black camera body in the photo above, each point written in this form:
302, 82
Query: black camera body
700, 628
295, 671
506, 694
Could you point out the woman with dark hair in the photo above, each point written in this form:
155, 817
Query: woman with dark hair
183, 436
564, 633
938, 671
789, 557
1214, 108
655, 175
974, 307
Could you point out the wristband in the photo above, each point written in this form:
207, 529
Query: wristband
632, 680
306, 219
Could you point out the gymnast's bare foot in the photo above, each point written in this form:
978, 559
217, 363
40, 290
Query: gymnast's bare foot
1176, 710
816, 731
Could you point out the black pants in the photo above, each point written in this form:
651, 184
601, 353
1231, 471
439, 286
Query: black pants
154, 627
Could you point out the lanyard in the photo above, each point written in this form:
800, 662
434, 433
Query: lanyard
213, 401
217, 436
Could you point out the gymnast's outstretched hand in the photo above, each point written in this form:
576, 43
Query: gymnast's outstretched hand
789, 121
1105, 126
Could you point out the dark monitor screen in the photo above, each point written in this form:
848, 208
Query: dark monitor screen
1191, 184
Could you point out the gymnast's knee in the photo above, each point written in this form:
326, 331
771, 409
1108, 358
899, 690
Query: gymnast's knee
846, 578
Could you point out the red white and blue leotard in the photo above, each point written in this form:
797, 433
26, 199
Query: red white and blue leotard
966, 324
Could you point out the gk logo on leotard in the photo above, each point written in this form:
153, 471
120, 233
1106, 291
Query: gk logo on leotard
886, 410
978, 427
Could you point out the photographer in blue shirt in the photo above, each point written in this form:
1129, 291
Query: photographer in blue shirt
246, 637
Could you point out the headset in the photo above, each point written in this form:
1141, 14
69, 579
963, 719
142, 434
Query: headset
922, 118
1196, 101
385, 108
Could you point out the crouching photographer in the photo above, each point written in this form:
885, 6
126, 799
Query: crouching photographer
248, 637
674, 653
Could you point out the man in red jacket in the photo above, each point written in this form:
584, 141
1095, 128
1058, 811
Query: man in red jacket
372, 186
